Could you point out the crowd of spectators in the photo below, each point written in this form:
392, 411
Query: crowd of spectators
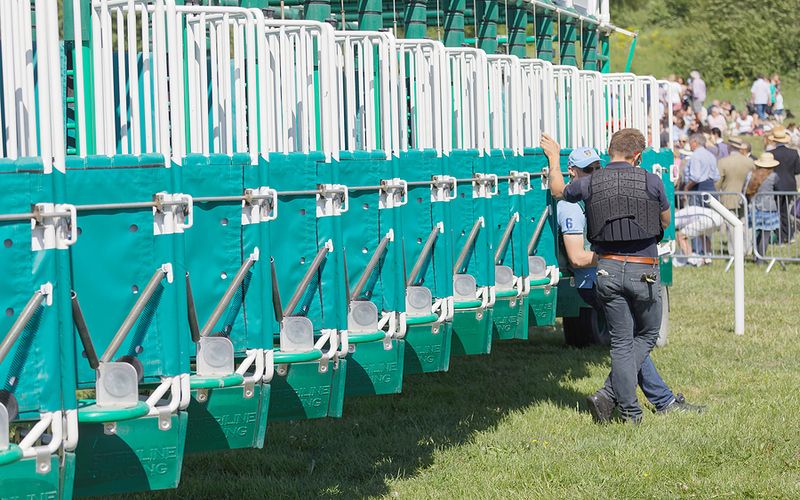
714, 154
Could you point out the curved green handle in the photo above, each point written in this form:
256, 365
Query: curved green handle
296, 357
11, 455
91, 414
198, 382
360, 338
505, 293
420, 320
540, 282
467, 304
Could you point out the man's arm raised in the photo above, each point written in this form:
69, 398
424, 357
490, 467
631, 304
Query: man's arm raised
554, 177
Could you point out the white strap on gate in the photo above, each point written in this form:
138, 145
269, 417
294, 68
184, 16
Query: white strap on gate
505, 102
423, 96
568, 106
366, 71
470, 114
592, 110
538, 101
22, 133
300, 112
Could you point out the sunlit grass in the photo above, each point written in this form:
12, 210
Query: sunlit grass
513, 424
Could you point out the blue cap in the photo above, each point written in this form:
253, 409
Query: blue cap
582, 157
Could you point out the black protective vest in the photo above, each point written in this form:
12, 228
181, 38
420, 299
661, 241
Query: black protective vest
620, 208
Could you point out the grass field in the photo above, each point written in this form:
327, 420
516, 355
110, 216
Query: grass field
514, 424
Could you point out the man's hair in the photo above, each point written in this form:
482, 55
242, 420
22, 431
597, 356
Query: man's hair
717, 132
626, 143
698, 138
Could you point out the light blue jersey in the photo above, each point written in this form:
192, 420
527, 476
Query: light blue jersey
572, 220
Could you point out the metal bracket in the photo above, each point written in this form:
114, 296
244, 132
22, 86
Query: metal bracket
545, 178
172, 213
519, 183
393, 193
249, 389
443, 188
164, 418
484, 185
259, 205
332, 199
53, 225
43, 457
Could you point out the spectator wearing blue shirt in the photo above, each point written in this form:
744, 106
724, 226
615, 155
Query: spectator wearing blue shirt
701, 172
583, 264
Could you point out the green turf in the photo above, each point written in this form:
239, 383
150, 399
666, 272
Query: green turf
513, 424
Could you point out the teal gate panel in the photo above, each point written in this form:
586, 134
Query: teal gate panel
427, 260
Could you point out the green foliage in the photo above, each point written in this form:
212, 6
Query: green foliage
729, 43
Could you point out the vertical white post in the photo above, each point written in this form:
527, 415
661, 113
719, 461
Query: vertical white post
738, 259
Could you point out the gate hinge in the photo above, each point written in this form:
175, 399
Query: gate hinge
443, 188
484, 185
172, 213
393, 193
332, 199
259, 205
53, 225
519, 183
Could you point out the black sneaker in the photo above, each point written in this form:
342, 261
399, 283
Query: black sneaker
680, 405
600, 406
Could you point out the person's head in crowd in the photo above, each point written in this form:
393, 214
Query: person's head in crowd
696, 141
582, 162
776, 136
680, 123
743, 114
716, 135
741, 147
776, 79
627, 145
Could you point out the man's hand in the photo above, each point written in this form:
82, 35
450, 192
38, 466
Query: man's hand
554, 176
551, 148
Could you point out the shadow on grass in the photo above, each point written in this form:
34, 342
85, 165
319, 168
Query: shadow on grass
394, 436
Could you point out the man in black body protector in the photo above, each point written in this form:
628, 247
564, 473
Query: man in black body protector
626, 209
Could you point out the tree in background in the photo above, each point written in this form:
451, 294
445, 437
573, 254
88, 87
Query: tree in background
728, 41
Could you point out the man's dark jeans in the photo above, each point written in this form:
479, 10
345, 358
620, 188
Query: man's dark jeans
633, 313
653, 386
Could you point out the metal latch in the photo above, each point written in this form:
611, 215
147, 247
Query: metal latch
545, 178
332, 199
443, 188
53, 225
172, 213
393, 193
519, 183
484, 185
259, 205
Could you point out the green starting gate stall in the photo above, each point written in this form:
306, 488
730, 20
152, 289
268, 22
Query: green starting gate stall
366, 67
425, 124
38, 416
471, 217
307, 241
229, 284
510, 315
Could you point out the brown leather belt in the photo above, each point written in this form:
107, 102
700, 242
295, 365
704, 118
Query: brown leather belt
651, 261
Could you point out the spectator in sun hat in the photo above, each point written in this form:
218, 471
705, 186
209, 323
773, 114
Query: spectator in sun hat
788, 167
764, 214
